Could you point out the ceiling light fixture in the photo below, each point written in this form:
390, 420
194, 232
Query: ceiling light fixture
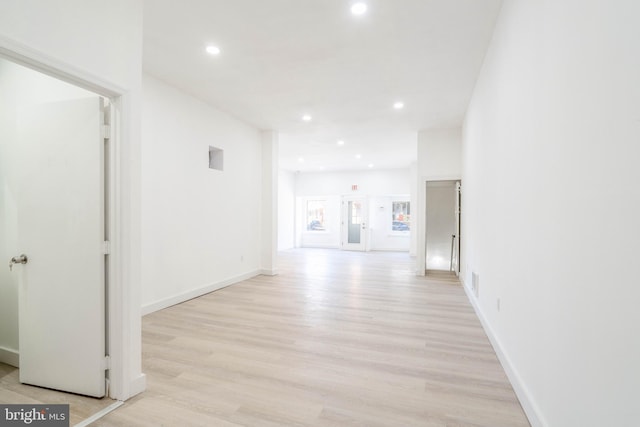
306, 118
359, 8
370, 165
213, 50
358, 156
398, 105
301, 159
341, 142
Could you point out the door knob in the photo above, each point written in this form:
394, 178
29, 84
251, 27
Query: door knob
21, 259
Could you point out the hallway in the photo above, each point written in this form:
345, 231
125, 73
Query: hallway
337, 338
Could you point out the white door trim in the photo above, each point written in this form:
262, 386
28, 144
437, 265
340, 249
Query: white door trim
419, 220
123, 306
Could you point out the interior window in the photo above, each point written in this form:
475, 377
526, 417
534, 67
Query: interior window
400, 217
316, 215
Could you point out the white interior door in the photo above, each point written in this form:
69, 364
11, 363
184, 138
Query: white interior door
458, 241
58, 192
354, 224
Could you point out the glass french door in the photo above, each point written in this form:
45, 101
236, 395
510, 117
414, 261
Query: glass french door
354, 224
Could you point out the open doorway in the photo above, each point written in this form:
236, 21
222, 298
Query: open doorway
54, 151
443, 231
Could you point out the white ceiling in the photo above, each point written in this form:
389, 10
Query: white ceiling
284, 58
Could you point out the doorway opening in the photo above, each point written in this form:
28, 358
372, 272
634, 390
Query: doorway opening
443, 228
55, 162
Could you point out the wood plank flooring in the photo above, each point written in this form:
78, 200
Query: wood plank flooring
336, 339
12, 392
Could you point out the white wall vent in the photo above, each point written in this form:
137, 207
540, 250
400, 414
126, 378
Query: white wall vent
216, 158
475, 284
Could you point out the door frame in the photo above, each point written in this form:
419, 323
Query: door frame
121, 304
420, 222
454, 265
458, 213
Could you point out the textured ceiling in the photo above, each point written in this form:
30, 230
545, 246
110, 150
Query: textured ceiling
284, 58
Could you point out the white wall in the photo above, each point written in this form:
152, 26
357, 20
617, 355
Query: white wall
286, 210
381, 235
21, 88
202, 226
439, 158
373, 182
381, 187
104, 40
551, 206
100, 43
439, 154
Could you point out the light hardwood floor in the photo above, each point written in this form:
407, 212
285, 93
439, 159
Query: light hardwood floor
336, 339
12, 392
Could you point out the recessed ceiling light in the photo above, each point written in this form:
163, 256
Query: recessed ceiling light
358, 156
213, 50
359, 8
340, 142
370, 165
306, 118
301, 159
398, 105
321, 168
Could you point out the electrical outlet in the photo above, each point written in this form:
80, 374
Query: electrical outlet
475, 284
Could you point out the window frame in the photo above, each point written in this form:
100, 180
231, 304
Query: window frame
307, 220
406, 212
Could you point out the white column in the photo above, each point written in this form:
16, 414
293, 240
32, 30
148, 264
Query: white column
413, 171
439, 159
269, 235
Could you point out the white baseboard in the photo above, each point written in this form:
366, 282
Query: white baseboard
194, 293
531, 409
9, 356
267, 272
138, 385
